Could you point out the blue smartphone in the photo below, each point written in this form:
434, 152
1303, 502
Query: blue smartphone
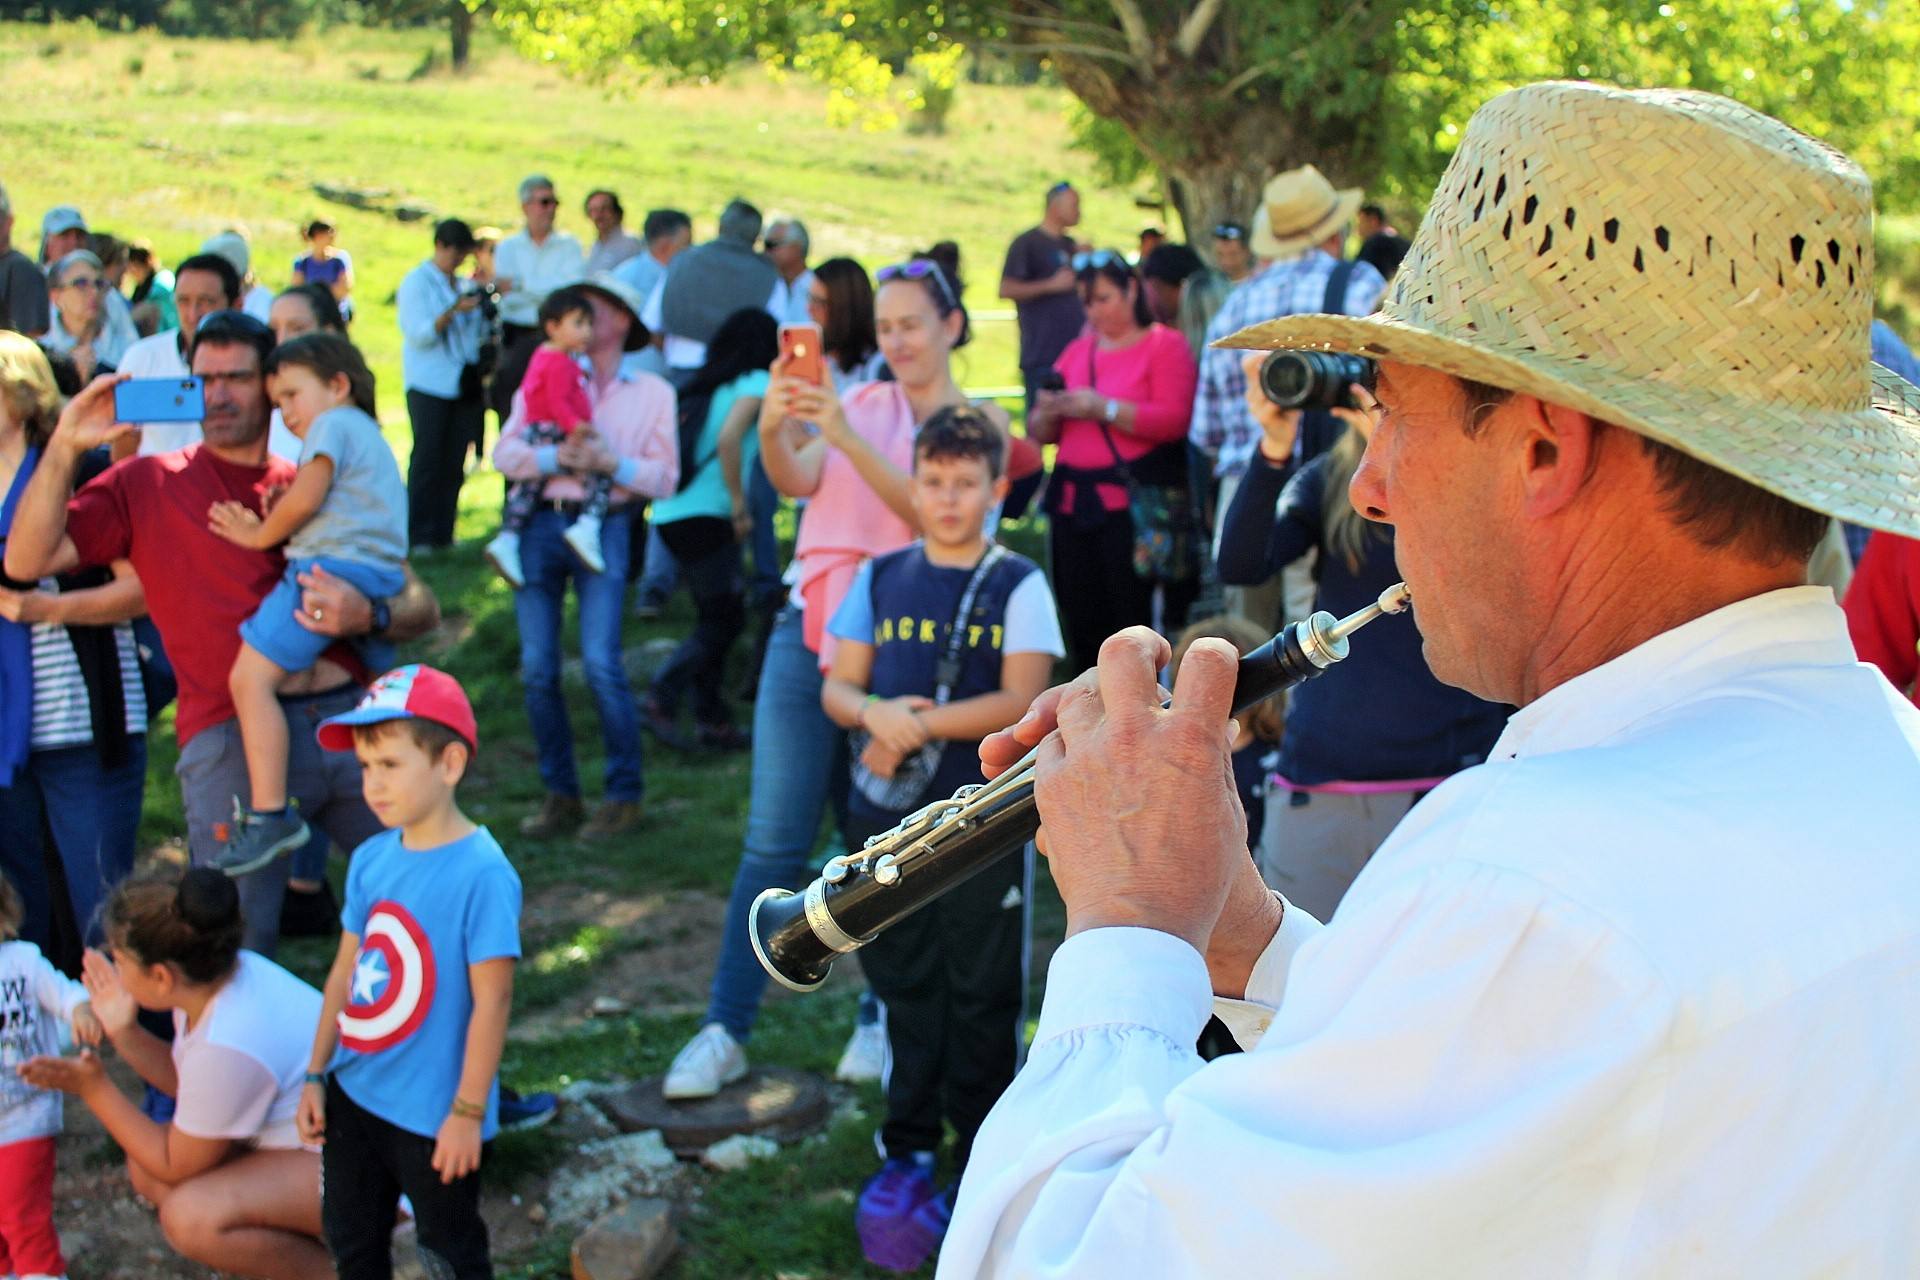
159, 400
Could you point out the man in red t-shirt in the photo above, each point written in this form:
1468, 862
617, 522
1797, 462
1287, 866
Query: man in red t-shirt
152, 511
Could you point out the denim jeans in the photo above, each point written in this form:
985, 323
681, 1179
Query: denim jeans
799, 758
763, 501
659, 574
550, 564
93, 817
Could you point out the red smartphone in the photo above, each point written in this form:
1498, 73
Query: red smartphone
800, 348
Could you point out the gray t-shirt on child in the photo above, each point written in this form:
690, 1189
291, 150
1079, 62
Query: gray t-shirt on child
364, 518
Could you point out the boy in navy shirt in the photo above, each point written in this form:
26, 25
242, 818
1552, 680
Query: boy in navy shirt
401, 1083
941, 643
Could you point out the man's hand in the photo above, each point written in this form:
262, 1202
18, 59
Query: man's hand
456, 1151
26, 607
111, 1002
87, 422
1065, 280
236, 524
893, 722
332, 606
1143, 825
585, 453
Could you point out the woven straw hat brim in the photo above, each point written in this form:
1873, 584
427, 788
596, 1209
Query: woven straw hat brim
1267, 245
1862, 466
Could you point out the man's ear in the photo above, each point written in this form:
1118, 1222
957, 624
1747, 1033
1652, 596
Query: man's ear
1558, 448
1000, 486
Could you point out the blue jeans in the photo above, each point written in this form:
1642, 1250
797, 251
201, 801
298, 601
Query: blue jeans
93, 817
799, 757
660, 573
549, 564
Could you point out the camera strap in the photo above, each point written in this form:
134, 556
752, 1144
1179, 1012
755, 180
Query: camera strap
1335, 301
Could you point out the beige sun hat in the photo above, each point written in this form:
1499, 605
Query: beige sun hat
1298, 210
1667, 260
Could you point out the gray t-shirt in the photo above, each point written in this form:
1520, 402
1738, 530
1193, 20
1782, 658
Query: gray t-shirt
1047, 324
23, 294
364, 518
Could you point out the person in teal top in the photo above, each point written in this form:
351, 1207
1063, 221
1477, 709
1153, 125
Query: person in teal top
704, 523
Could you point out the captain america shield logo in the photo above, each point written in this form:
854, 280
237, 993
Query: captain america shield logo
392, 981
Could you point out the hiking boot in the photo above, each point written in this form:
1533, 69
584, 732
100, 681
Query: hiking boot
612, 818
884, 1215
254, 839
660, 721
558, 816
583, 535
709, 1062
503, 553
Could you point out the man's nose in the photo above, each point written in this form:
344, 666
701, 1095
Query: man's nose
1368, 491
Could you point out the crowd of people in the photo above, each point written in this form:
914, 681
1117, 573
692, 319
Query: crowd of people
657, 402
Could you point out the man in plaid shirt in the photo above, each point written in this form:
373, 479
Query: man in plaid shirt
1302, 233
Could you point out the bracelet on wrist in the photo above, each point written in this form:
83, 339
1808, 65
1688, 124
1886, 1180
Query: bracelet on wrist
317, 1077
860, 716
469, 1110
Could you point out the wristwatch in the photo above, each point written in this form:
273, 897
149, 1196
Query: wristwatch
382, 618
1113, 411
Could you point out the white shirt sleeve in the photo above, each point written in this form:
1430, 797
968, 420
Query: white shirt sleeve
416, 312
651, 315
1033, 626
224, 1093
1438, 1062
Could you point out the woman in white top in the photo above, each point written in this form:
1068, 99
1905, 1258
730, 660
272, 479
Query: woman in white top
234, 1187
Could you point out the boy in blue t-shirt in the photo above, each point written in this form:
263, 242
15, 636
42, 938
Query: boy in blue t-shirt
919, 695
402, 1082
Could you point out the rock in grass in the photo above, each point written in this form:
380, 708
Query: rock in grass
631, 1243
739, 1151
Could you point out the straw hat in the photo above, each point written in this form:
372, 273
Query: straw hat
1670, 261
1298, 210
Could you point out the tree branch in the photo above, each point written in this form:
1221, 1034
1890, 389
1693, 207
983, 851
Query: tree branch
1255, 72
1065, 48
1134, 24
1195, 28
1092, 30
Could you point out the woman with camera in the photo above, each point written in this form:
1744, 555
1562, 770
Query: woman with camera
1119, 412
1356, 752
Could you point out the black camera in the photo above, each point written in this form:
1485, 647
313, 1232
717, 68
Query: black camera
1050, 380
1313, 379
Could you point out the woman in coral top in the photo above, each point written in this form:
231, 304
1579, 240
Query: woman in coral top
849, 456
1128, 398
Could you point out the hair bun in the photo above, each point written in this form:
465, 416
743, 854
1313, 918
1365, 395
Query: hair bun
207, 899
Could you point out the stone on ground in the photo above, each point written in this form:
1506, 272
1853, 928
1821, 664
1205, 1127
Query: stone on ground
632, 1243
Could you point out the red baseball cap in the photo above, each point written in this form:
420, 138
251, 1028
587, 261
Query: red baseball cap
413, 692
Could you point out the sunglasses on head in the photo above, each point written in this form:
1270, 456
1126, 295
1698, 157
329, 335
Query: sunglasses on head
1097, 259
1057, 188
1229, 231
919, 269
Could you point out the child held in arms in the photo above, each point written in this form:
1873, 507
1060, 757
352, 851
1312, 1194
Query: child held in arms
941, 643
401, 1085
346, 512
554, 398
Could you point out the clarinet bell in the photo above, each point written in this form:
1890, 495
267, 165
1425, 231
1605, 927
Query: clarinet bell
785, 943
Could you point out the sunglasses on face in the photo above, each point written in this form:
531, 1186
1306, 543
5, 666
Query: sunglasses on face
85, 282
545, 201
1227, 231
919, 269
1095, 260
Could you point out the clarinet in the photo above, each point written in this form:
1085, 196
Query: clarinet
859, 895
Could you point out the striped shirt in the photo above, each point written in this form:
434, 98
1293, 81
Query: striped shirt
1222, 426
62, 711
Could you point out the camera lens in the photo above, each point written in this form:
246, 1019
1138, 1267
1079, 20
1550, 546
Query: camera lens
1313, 379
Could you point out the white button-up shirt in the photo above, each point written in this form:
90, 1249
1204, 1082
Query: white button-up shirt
534, 271
1638, 997
432, 359
159, 356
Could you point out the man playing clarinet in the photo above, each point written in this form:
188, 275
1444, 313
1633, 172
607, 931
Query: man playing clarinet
1637, 997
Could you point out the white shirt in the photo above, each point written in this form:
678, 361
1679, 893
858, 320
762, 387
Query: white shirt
432, 360
614, 250
35, 999
789, 302
159, 356
242, 1066
535, 270
258, 303
1635, 998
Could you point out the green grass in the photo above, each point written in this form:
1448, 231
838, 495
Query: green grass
212, 133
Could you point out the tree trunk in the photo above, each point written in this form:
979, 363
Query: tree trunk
462, 22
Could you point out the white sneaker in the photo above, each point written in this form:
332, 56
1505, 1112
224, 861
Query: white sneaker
503, 553
583, 535
711, 1060
866, 1054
